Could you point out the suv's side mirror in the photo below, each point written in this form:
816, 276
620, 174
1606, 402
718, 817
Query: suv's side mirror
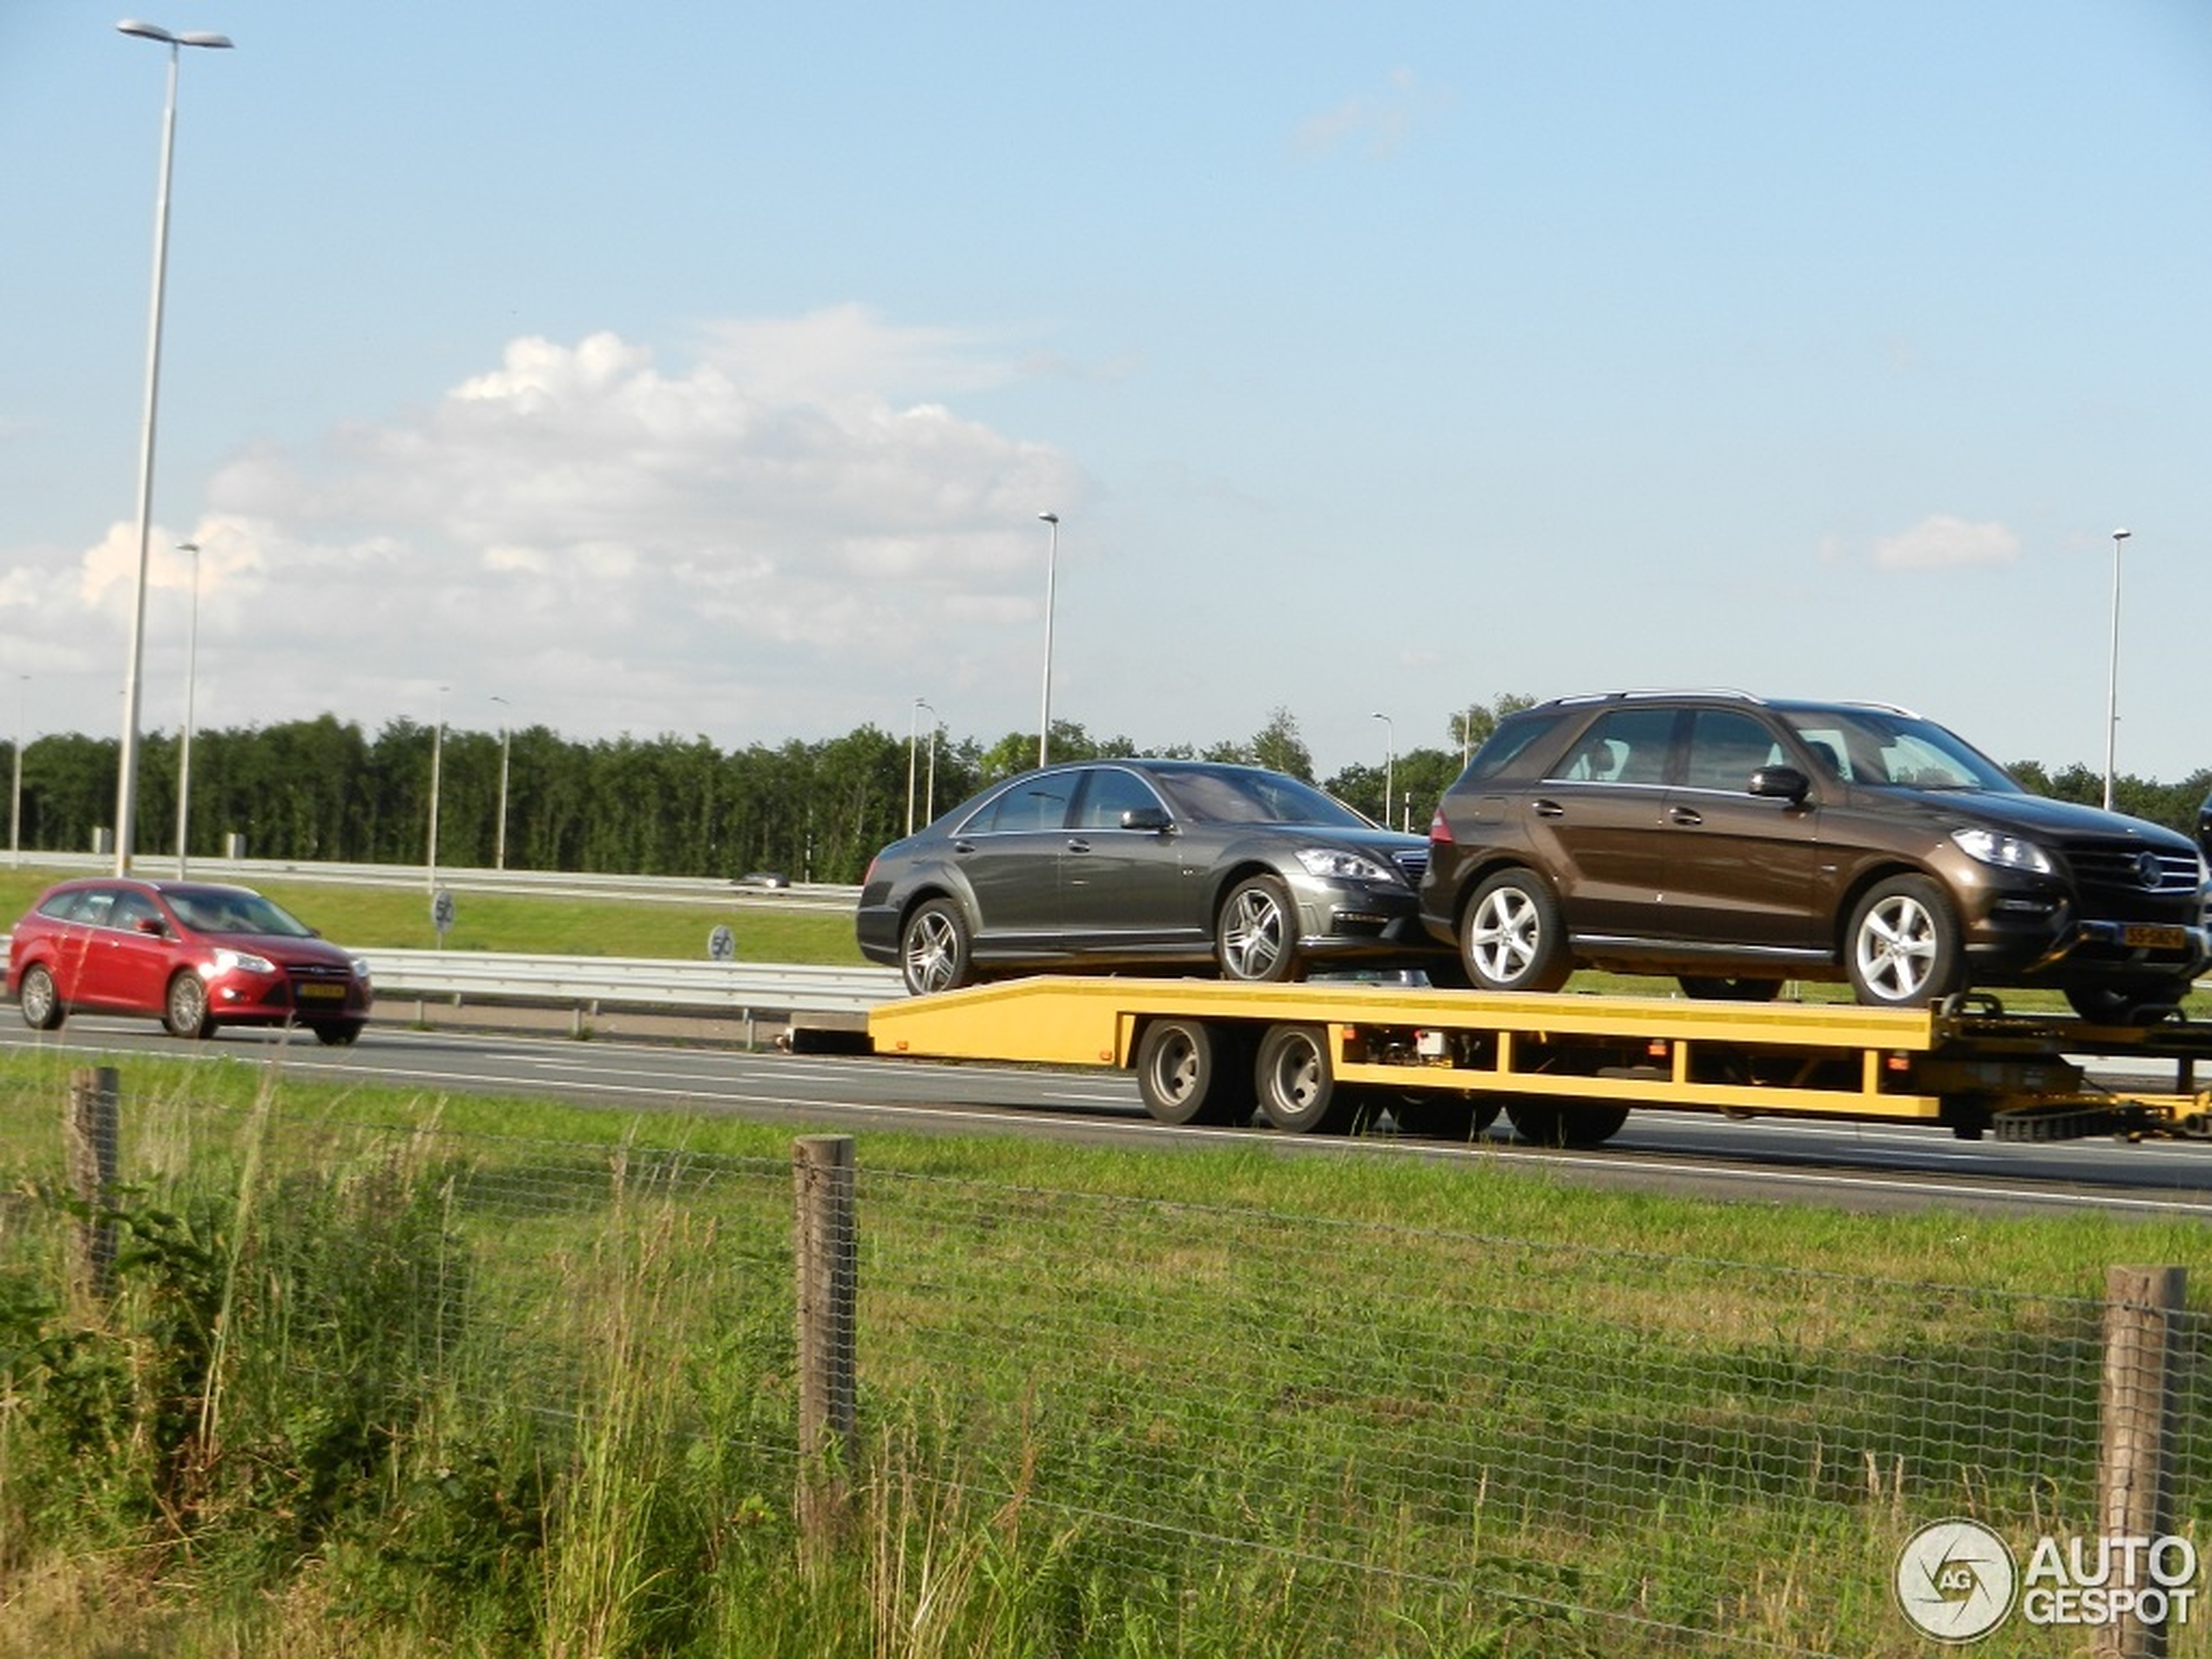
1147, 818
1780, 783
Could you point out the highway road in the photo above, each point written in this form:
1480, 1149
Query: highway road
1860, 1166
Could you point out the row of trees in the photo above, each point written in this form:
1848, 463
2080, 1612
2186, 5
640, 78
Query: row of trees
320, 790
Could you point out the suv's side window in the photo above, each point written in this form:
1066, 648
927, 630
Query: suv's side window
1725, 748
1623, 746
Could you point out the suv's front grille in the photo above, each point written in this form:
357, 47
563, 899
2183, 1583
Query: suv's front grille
2124, 868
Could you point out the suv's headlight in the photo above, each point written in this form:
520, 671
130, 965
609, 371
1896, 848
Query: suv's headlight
2006, 852
1345, 866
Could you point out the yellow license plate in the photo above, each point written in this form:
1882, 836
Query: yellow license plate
323, 992
2145, 936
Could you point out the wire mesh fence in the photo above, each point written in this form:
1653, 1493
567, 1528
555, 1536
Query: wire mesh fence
1133, 1426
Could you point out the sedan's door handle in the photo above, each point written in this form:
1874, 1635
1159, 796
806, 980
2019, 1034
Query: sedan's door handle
1686, 815
963, 847
1544, 806
1076, 843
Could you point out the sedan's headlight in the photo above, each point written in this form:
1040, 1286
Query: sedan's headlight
2005, 852
1344, 866
242, 962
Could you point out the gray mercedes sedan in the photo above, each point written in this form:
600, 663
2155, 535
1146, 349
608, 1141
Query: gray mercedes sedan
1158, 865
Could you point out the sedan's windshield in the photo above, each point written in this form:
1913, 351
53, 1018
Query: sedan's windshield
1240, 795
228, 910
1877, 747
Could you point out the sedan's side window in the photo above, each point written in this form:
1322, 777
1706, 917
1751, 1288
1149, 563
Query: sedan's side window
1040, 804
1109, 792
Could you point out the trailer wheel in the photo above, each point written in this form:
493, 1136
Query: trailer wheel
1436, 1114
1902, 947
1544, 1122
1512, 937
1191, 1072
1297, 1090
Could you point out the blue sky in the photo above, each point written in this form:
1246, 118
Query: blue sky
703, 370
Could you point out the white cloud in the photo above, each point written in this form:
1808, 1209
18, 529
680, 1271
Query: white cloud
1382, 119
596, 537
1942, 541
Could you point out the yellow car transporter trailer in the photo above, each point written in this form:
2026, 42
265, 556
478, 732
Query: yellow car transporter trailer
1566, 1069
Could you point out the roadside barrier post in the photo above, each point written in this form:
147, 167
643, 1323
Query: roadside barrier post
90, 1133
2140, 1408
827, 1253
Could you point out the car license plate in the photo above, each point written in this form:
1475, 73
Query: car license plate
316, 992
2145, 936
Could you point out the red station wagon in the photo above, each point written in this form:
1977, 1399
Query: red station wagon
192, 955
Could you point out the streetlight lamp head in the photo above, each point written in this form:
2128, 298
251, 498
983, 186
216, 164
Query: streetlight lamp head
155, 31
2122, 536
1049, 518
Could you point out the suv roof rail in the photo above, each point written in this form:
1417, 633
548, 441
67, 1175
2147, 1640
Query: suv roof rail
1657, 692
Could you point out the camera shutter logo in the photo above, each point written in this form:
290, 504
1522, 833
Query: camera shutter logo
1955, 1581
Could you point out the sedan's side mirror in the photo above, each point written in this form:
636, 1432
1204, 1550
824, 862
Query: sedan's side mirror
1147, 818
1780, 783
152, 925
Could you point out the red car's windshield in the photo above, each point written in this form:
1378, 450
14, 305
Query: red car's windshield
228, 910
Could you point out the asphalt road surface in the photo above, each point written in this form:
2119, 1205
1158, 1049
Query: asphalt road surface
1861, 1166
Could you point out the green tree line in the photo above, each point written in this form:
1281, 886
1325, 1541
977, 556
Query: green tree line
323, 790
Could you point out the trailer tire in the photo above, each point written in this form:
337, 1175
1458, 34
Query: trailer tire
1440, 1114
1297, 1086
1191, 1072
1544, 1122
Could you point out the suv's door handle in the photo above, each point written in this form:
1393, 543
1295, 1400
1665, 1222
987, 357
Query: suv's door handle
1076, 843
1544, 806
1689, 815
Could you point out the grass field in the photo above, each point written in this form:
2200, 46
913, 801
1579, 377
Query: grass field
394, 1374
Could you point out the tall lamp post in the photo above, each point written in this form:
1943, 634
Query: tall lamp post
1390, 768
2112, 685
929, 776
191, 682
913, 742
499, 835
14, 802
1051, 575
437, 764
126, 787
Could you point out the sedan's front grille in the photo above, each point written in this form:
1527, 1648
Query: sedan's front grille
1413, 863
2125, 867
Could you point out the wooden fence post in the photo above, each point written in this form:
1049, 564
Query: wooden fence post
2140, 1417
828, 1256
89, 1132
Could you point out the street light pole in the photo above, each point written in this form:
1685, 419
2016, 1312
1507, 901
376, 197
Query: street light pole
929, 786
2112, 685
1051, 576
437, 763
914, 738
15, 805
126, 787
499, 835
1390, 768
191, 682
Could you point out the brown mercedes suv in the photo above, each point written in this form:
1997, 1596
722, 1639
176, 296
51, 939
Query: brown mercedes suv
1737, 843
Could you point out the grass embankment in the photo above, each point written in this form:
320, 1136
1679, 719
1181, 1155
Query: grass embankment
461, 1390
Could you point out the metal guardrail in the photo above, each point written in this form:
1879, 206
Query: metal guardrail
740, 989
